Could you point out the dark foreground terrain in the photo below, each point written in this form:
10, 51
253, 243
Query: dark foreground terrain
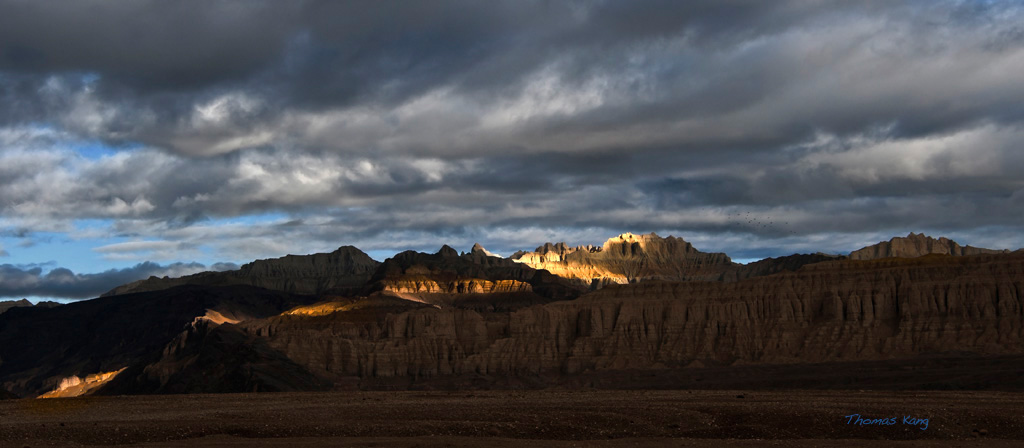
517, 418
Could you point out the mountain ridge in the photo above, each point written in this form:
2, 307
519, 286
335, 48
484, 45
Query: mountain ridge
916, 245
626, 258
423, 319
343, 270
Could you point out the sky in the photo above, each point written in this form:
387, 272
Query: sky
164, 138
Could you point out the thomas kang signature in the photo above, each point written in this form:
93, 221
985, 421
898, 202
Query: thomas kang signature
856, 419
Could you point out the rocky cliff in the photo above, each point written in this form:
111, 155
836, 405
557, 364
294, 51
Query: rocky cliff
446, 278
916, 245
627, 258
343, 271
843, 310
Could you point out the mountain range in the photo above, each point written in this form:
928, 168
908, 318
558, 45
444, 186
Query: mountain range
8, 304
637, 311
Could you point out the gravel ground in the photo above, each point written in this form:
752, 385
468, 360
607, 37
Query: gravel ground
514, 418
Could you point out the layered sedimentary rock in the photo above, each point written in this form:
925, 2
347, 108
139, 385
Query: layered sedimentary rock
916, 245
627, 258
445, 277
378, 303
343, 271
833, 311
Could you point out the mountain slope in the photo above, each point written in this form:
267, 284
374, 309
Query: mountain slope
212, 358
916, 245
769, 266
41, 347
342, 271
8, 304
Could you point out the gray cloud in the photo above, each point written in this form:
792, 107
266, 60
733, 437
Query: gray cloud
22, 281
379, 125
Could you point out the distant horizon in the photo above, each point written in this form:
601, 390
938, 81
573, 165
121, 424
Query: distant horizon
381, 256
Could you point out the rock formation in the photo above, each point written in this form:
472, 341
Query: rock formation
343, 271
627, 258
478, 249
916, 245
477, 320
832, 311
74, 386
39, 347
447, 278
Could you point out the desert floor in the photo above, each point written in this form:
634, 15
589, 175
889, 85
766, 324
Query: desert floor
562, 418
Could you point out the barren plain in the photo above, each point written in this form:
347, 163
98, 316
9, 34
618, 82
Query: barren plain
562, 418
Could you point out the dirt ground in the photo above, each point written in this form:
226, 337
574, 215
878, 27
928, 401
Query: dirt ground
518, 418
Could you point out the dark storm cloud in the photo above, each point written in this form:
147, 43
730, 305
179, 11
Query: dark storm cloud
155, 63
389, 123
22, 281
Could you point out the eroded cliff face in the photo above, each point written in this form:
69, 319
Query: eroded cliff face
627, 258
345, 270
445, 277
833, 311
916, 245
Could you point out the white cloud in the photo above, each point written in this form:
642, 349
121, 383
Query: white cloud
984, 151
137, 246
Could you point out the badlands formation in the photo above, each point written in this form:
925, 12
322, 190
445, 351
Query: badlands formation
627, 258
638, 311
916, 245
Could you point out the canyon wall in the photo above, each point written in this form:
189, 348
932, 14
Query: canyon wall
833, 311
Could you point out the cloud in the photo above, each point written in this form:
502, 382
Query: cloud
384, 125
21, 281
